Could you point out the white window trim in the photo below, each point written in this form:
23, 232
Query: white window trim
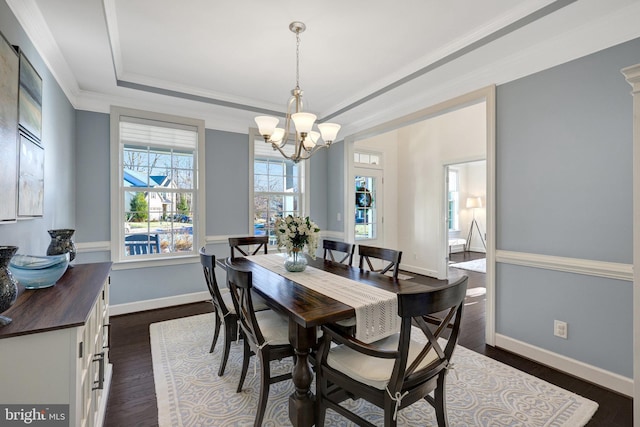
306, 182
117, 228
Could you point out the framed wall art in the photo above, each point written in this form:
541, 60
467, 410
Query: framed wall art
9, 78
30, 103
31, 179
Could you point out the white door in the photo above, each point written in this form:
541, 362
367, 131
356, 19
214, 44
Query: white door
368, 199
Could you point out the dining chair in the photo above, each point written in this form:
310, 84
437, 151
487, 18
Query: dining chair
331, 246
246, 246
366, 253
390, 255
249, 245
399, 370
223, 308
265, 335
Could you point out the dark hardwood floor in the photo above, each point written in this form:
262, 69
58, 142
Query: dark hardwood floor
132, 400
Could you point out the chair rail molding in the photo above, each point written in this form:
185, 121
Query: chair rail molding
86, 247
611, 270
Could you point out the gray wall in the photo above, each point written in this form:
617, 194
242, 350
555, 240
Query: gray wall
58, 140
564, 188
227, 172
335, 188
319, 188
93, 177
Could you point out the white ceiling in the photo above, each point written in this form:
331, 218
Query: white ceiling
362, 62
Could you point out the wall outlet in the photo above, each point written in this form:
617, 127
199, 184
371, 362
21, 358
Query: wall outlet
560, 329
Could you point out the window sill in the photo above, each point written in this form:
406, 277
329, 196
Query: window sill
154, 262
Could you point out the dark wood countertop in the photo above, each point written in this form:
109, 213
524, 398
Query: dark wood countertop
67, 304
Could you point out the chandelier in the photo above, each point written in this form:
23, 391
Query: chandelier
307, 140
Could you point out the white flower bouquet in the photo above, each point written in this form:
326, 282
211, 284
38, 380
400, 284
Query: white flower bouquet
295, 232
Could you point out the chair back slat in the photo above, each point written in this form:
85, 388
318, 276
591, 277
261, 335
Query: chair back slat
141, 244
392, 256
248, 245
332, 246
240, 284
208, 262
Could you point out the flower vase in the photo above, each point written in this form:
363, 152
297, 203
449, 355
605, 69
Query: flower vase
8, 284
61, 243
296, 261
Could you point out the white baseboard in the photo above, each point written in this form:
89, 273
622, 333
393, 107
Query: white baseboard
590, 373
418, 270
133, 307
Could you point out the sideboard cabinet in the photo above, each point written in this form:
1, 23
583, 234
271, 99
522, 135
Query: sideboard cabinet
56, 349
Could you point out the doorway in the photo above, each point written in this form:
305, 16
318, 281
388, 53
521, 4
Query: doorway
465, 207
425, 246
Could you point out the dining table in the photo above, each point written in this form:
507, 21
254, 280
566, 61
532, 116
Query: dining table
307, 310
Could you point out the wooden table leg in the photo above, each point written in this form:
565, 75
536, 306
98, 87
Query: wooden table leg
301, 402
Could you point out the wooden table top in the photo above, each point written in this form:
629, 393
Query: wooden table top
309, 308
67, 304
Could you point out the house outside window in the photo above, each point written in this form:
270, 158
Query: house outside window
278, 188
156, 194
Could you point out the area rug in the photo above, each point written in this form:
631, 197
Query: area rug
480, 390
479, 265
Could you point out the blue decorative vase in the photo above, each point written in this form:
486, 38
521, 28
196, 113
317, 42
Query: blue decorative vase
296, 261
8, 284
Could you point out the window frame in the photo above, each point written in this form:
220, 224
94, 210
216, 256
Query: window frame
117, 190
304, 182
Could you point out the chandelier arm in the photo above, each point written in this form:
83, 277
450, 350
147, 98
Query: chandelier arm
311, 152
287, 120
276, 147
298, 151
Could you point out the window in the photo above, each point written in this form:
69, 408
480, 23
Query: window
365, 158
278, 188
453, 204
366, 201
156, 192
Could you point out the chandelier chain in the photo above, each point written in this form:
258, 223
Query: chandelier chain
297, 59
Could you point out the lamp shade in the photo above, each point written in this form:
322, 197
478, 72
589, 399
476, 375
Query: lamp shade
329, 131
474, 202
303, 121
266, 125
277, 135
311, 140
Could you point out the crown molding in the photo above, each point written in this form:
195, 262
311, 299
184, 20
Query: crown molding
30, 18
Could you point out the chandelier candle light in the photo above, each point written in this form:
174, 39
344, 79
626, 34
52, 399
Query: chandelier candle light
294, 233
306, 139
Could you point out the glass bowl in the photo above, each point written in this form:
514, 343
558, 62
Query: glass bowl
37, 272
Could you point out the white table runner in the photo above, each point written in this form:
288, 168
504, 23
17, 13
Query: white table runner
376, 309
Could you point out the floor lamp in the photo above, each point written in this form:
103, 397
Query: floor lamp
473, 203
